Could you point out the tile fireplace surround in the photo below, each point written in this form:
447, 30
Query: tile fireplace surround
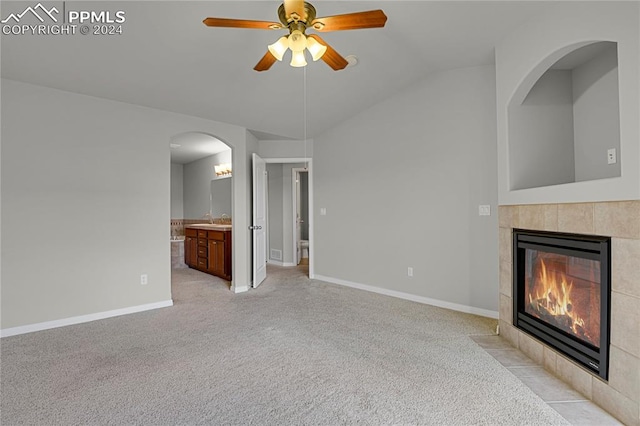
621, 221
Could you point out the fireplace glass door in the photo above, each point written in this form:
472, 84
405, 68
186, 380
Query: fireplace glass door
561, 293
564, 292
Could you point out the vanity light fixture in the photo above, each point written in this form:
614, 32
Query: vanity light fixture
223, 169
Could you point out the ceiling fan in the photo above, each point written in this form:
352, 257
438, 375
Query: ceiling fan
297, 16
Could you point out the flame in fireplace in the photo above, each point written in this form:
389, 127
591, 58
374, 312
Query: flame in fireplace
553, 299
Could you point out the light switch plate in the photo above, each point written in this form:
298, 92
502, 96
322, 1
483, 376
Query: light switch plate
323, 211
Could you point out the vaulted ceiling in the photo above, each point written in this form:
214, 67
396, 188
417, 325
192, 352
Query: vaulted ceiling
166, 58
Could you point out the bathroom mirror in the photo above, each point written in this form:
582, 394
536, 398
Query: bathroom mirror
221, 197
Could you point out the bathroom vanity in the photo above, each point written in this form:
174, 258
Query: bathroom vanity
207, 248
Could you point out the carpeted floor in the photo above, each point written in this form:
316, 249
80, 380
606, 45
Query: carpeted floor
292, 352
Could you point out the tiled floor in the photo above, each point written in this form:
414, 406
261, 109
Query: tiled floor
573, 406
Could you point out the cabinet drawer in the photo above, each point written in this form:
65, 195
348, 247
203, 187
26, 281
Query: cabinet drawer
190, 232
202, 234
202, 242
202, 262
202, 251
216, 235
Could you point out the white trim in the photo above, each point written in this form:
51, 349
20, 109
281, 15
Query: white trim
14, 331
287, 160
278, 263
242, 289
411, 297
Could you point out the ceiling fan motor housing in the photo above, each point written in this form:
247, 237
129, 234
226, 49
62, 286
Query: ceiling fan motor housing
309, 15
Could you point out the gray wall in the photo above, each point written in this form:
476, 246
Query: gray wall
197, 184
286, 149
596, 116
177, 200
541, 148
274, 196
94, 175
439, 137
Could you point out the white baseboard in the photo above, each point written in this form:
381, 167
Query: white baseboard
278, 263
240, 289
14, 331
412, 297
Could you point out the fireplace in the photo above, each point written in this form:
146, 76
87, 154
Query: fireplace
561, 293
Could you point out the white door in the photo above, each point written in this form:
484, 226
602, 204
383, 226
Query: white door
259, 226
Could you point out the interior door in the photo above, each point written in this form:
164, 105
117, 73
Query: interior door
259, 226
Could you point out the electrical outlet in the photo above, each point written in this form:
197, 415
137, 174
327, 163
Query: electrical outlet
484, 210
611, 156
144, 279
409, 271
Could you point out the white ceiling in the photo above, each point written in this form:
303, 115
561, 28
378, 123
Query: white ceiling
167, 59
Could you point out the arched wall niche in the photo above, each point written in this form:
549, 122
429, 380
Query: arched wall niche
564, 119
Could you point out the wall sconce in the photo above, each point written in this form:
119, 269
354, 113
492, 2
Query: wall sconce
223, 169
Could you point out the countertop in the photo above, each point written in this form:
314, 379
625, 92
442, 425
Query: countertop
210, 226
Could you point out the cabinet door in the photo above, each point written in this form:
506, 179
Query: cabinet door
191, 251
216, 257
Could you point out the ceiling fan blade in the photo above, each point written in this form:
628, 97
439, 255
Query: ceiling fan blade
294, 6
351, 21
265, 63
330, 57
241, 23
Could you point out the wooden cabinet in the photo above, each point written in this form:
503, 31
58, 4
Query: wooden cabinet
216, 257
203, 256
191, 248
209, 251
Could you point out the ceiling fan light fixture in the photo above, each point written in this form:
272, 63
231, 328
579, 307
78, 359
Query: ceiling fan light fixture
297, 16
297, 41
279, 48
316, 49
298, 59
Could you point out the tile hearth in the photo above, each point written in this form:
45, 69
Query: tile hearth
571, 405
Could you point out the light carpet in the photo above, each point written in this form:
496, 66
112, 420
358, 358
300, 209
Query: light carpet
293, 351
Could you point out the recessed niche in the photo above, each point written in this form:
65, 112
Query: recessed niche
563, 128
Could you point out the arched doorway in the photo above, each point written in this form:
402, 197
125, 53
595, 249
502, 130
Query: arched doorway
201, 192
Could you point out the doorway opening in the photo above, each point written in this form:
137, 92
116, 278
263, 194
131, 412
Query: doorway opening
300, 198
201, 193
288, 204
